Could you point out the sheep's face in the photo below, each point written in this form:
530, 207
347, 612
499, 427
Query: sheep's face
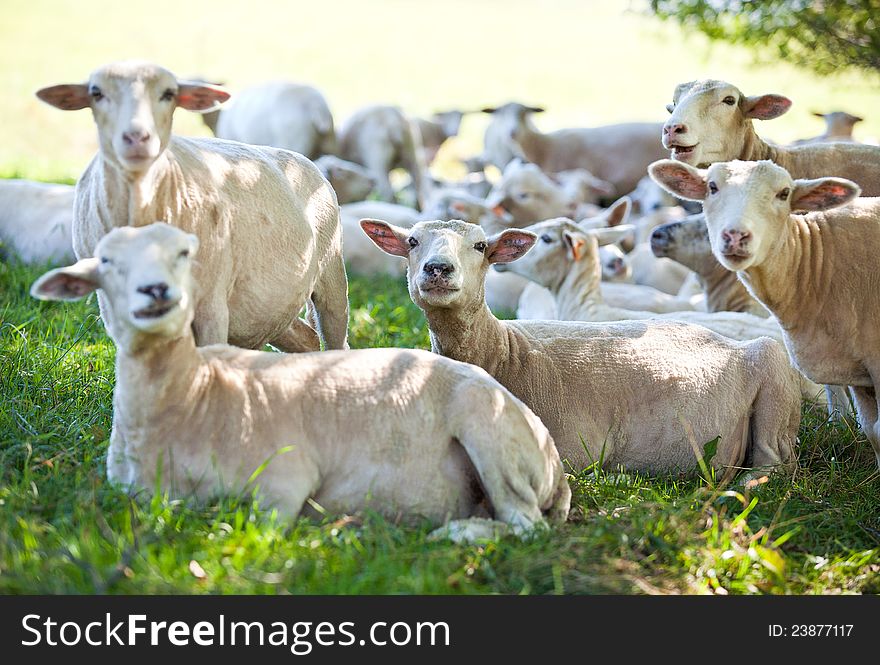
132, 103
350, 181
710, 121
748, 205
549, 261
615, 265
685, 241
145, 272
649, 197
447, 260
528, 195
147, 275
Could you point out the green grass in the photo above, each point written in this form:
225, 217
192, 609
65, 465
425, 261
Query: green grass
63, 529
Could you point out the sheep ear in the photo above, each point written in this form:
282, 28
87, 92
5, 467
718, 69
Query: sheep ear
576, 243
609, 236
765, 107
389, 238
71, 283
618, 212
600, 186
681, 180
67, 96
509, 245
200, 97
823, 193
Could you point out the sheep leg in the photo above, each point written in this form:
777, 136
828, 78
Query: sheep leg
865, 398
212, 328
299, 337
378, 160
773, 433
118, 467
330, 300
839, 408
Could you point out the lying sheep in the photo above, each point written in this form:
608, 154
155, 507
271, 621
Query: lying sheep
351, 182
349, 430
434, 132
618, 154
381, 138
36, 220
815, 272
282, 115
711, 121
566, 261
645, 395
529, 195
267, 220
687, 242
360, 255
838, 127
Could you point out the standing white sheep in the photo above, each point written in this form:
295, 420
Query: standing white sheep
645, 395
618, 154
815, 272
266, 218
381, 138
280, 114
404, 433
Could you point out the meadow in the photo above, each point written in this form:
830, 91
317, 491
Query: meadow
64, 529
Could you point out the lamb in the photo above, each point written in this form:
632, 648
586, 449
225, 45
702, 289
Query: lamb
529, 195
434, 132
645, 395
815, 272
618, 154
267, 219
351, 182
566, 262
280, 114
381, 138
349, 430
36, 220
687, 242
838, 127
711, 121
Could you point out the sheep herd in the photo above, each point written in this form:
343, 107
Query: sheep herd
662, 304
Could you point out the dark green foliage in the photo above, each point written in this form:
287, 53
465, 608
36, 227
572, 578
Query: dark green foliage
823, 36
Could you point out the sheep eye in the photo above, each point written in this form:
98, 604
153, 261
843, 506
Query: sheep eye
730, 100
96, 93
105, 260
522, 196
546, 238
480, 246
783, 195
183, 254
168, 95
713, 188
412, 241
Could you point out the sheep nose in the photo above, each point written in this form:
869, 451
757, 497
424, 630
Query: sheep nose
660, 237
438, 268
135, 137
616, 264
157, 291
734, 239
674, 128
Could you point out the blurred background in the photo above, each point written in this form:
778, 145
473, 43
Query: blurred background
586, 62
